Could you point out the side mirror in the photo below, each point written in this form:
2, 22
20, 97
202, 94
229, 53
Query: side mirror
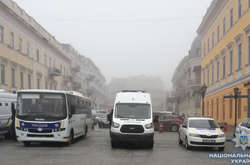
73, 109
184, 126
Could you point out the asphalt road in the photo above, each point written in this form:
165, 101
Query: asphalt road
96, 150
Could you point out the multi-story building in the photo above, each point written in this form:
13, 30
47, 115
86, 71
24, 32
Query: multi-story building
225, 32
85, 76
30, 57
186, 82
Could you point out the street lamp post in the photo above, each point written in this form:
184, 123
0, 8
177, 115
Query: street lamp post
203, 92
235, 97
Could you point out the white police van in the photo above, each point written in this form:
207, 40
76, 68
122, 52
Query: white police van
132, 119
6, 99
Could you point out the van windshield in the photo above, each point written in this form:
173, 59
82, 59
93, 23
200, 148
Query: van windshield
132, 110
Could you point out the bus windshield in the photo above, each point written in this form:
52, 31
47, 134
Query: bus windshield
41, 106
132, 110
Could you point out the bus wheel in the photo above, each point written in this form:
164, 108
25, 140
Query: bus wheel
85, 132
71, 140
26, 144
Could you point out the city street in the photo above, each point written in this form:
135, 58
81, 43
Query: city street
95, 149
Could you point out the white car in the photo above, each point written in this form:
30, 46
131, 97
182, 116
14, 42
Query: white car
243, 126
201, 132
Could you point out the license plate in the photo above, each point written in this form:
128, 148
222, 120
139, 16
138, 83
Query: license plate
208, 141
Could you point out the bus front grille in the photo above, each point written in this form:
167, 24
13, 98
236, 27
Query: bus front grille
36, 135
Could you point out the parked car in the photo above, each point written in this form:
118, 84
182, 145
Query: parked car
201, 132
167, 121
102, 120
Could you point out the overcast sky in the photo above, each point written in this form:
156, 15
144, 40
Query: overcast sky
124, 37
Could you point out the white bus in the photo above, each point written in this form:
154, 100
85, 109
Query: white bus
48, 115
6, 99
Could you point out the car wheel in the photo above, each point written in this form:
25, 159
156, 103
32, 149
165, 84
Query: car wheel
187, 146
221, 148
179, 139
26, 143
174, 128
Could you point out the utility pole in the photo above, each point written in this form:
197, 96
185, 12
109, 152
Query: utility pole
236, 96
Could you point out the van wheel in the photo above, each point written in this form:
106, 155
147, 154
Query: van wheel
151, 144
114, 144
7, 136
26, 143
221, 148
174, 128
187, 146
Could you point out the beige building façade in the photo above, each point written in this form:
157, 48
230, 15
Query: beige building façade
30, 57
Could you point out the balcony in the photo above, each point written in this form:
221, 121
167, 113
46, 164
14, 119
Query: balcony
75, 68
194, 83
54, 72
67, 79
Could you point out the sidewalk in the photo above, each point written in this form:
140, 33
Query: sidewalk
229, 133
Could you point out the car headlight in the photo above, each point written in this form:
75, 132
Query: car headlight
148, 126
221, 135
194, 135
115, 125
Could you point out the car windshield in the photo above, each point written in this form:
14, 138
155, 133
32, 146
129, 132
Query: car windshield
41, 106
132, 110
209, 124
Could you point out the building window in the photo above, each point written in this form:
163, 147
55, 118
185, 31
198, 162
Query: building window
224, 67
239, 56
213, 40
205, 49
213, 73
2, 74
218, 71
248, 51
217, 109
37, 56
231, 108
212, 107
1, 34
224, 25
230, 62
29, 81
207, 76
20, 44
218, 33
239, 108
21, 79
45, 60
223, 111
231, 17
28, 49
38, 83
208, 45
50, 62
46, 85
13, 77
239, 9
12, 40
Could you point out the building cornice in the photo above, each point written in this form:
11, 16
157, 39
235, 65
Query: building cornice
210, 14
32, 25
